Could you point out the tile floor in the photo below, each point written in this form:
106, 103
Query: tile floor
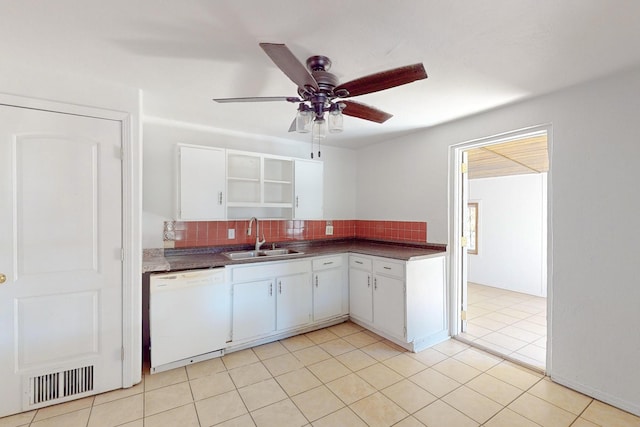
510, 323
338, 376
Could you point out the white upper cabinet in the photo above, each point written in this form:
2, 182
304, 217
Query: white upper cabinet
201, 183
308, 200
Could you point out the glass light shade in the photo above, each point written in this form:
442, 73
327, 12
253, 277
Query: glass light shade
335, 121
303, 122
319, 129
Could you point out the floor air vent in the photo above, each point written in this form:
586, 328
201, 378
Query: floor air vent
49, 387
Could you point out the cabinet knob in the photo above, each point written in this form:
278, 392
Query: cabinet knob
220, 198
368, 281
280, 287
3, 278
375, 283
270, 289
296, 201
316, 280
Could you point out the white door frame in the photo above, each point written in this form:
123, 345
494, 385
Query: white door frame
455, 232
131, 223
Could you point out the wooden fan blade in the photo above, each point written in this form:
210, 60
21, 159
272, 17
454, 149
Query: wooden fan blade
361, 111
259, 99
289, 64
383, 80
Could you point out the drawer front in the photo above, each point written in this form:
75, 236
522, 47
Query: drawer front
388, 268
268, 270
327, 263
359, 262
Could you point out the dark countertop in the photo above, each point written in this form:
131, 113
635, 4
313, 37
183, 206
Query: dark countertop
186, 259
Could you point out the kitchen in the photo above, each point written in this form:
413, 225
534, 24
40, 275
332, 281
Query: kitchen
594, 134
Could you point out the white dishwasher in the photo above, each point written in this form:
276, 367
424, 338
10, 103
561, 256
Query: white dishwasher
189, 317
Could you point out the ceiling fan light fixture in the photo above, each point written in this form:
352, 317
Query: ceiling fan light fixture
336, 119
319, 129
303, 119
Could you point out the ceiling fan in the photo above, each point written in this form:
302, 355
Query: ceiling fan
320, 92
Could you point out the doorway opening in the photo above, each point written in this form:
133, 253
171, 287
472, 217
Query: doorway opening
499, 211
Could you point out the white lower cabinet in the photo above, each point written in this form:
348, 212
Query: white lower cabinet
360, 291
254, 311
293, 301
330, 287
389, 305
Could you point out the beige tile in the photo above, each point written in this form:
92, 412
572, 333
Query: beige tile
16, 420
346, 328
405, 365
298, 381
472, 404
211, 385
434, 382
428, 357
329, 370
509, 311
71, 419
450, 347
491, 324
222, 407
380, 351
249, 374
267, 351
439, 414
207, 367
117, 412
409, 422
538, 320
297, 343
581, 422
508, 418
493, 347
63, 408
241, 421
136, 423
356, 360
533, 352
500, 317
379, 376
163, 379
343, 417
309, 356
608, 416
494, 389
520, 334
119, 394
183, 416
461, 372
282, 364
531, 327
504, 341
317, 403
351, 388
281, 414
541, 412
515, 375
261, 394
166, 398
409, 396
321, 335
337, 347
239, 358
560, 396
477, 359
378, 410
361, 339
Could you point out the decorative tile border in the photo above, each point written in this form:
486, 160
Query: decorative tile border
215, 233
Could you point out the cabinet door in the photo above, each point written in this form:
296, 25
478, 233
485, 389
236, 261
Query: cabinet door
254, 309
202, 183
308, 202
327, 294
294, 301
360, 294
389, 305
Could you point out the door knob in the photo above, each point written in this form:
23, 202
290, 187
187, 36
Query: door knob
3, 278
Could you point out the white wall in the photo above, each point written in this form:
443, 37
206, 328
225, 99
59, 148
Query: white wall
159, 178
512, 238
594, 289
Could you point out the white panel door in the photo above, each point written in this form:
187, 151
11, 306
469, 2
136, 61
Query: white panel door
60, 252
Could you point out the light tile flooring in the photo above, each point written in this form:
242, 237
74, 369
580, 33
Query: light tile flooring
338, 376
510, 323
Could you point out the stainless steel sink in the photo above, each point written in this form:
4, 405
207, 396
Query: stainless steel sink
267, 253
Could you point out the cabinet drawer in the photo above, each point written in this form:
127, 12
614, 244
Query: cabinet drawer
327, 262
269, 270
387, 268
359, 262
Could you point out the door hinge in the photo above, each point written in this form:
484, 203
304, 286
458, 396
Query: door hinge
463, 315
463, 241
464, 168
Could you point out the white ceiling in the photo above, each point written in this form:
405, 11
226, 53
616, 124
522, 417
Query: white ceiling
182, 53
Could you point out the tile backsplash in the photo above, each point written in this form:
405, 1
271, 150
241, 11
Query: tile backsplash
216, 233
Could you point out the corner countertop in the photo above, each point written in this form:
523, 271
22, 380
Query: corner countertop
158, 260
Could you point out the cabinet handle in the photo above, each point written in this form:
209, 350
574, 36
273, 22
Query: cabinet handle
270, 289
375, 283
358, 262
387, 268
280, 287
296, 201
327, 263
316, 280
220, 198
368, 281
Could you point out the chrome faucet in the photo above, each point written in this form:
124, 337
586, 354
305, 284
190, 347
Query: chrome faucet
258, 241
